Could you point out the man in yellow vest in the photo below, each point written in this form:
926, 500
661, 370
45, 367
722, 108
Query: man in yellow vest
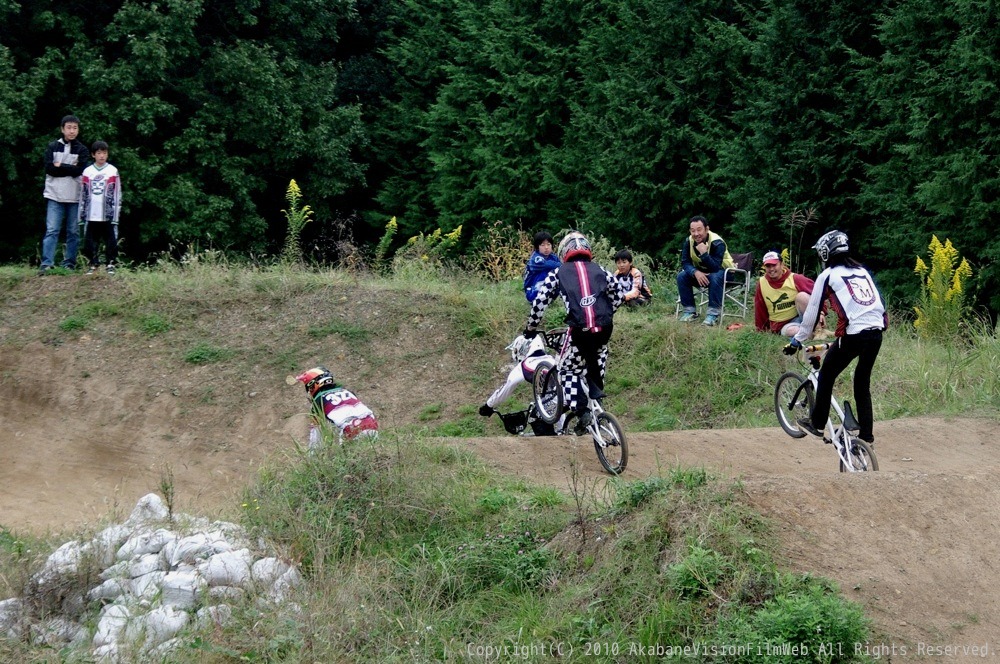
781, 297
704, 259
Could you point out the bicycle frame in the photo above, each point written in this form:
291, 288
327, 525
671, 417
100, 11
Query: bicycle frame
603, 427
839, 435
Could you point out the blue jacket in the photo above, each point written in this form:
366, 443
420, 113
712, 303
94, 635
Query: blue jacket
536, 270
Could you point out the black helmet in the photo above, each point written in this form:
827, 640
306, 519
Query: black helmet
833, 243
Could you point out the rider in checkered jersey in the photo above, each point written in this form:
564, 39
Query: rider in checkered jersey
591, 295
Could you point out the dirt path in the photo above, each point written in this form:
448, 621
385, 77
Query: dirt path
915, 543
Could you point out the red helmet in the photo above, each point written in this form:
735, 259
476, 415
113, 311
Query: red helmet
316, 379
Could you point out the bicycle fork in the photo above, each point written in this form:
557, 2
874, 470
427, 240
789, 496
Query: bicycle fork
595, 430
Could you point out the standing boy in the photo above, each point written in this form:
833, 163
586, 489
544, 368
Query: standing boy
64, 161
100, 205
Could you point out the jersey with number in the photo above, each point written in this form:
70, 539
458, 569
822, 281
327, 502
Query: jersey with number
342, 408
101, 194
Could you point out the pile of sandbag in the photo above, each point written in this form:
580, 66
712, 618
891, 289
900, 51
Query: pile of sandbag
153, 576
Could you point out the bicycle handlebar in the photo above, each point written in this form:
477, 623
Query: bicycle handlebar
817, 347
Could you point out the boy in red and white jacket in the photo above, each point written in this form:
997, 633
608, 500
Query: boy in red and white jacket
100, 207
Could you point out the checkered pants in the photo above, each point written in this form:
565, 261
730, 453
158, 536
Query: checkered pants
573, 374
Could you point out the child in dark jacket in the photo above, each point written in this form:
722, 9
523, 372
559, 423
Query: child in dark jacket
540, 264
639, 292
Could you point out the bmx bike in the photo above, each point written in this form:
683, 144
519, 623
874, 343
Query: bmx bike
609, 439
794, 398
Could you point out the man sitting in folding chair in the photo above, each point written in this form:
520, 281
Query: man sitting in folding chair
704, 259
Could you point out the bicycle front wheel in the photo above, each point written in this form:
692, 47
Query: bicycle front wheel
548, 392
612, 448
862, 457
793, 399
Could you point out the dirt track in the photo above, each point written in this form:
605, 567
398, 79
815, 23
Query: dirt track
916, 543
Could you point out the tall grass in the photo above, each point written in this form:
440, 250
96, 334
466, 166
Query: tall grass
418, 553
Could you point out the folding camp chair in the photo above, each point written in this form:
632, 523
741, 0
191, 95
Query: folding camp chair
736, 296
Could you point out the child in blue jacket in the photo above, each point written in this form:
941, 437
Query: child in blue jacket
541, 262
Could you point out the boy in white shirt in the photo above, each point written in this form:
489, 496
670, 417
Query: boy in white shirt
100, 205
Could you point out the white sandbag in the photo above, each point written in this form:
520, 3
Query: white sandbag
12, 618
143, 542
144, 564
267, 570
230, 594
181, 589
107, 654
283, 586
111, 625
109, 590
117, 571
57, 632
164, 651
62, 562
194, 548
229, 568
146, 586
231, 533
107, 542
214, 616
149, 510
160, 625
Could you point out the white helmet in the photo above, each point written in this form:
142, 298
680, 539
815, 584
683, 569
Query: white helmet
522, 347
574, 244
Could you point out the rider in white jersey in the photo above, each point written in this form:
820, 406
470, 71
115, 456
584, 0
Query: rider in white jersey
861, 319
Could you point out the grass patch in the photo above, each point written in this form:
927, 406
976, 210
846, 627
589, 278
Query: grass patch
152, 325
74, 323
346, 331
207, 354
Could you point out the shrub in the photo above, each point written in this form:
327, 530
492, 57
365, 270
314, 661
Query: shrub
504, 252
811, 624
74, 323
432, 249
382, 250
515, 561
297, 218
942, 291
698, 573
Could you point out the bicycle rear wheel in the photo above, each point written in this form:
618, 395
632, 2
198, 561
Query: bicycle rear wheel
613, 454
793, 399
862, 457
548, 392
